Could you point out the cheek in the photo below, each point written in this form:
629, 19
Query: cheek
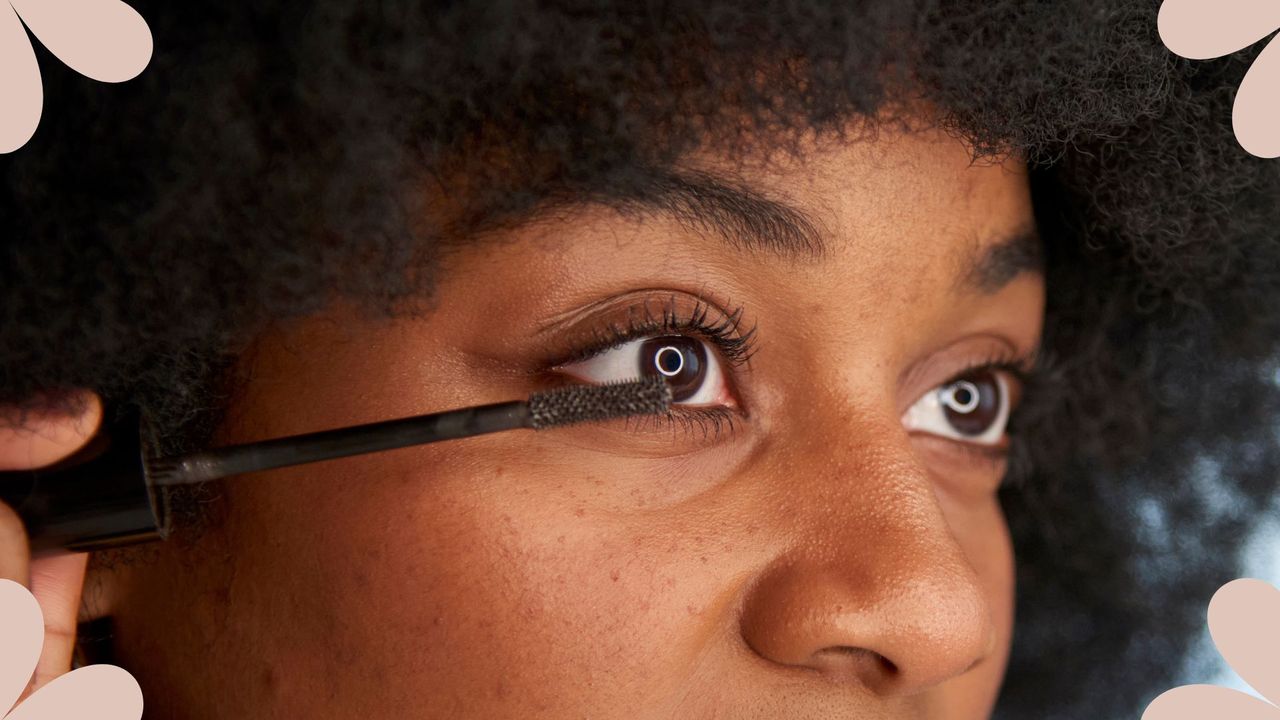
449, 576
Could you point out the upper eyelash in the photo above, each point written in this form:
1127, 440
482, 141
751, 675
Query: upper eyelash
1021, 367
725, 333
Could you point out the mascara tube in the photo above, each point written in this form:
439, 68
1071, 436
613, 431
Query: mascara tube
100, 497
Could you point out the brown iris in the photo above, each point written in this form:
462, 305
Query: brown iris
972, 403
680, 359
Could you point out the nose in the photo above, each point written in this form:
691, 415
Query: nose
873, 589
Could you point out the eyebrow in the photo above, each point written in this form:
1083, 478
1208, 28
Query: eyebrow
1004, 260
705, 203
749, 221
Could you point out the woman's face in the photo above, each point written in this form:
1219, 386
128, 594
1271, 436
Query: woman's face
814, 533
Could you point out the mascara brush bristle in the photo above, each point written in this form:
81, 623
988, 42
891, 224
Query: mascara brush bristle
593, 403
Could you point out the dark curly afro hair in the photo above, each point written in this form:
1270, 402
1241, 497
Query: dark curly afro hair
266, 164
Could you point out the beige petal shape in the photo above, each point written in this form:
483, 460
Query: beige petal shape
1256, 114
21, 95
1242, 621
22, 630
102, 39
1208, 702
1203, 29
101, 692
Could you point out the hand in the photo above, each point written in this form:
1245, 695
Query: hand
56, 581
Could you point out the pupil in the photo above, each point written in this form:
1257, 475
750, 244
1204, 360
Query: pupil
669, 361
972, 404
681, 360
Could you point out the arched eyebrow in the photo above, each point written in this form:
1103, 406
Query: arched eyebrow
750, 221
1002, 261
704, 203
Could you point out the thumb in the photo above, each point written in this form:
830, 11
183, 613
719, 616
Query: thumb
34, 439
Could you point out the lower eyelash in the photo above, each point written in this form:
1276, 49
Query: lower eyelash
703, 423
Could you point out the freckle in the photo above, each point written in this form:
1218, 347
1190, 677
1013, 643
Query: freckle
269, 678
580, 512
703, 559
615, 574
560, 539
437, 621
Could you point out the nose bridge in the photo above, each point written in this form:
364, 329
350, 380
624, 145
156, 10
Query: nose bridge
872, 587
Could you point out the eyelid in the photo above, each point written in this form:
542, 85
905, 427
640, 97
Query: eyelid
648, 316
961, 357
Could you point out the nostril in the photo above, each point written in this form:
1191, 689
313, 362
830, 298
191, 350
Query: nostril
844, 663
887, 665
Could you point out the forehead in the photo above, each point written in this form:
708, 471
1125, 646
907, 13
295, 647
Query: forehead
892, 216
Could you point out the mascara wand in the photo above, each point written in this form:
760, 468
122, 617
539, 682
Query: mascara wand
107, 494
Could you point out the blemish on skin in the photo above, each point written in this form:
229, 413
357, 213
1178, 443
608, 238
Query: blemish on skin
580, 512
703, 558
693, 611
560, 539
615, 574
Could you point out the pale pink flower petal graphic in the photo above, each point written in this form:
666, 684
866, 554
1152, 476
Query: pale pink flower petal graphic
1204, 29
96, 691
106, 40
1204, 702
21, 94
22, 628
1242, 623
101, 692
101, 39
1256, 114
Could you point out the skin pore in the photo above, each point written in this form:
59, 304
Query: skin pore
812, 540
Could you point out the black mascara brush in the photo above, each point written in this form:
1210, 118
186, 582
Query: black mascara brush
108, 494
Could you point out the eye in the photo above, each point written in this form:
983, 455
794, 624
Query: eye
691, 368
973, 408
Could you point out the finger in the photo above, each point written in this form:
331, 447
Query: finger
43, 437
57, 582
15, 556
